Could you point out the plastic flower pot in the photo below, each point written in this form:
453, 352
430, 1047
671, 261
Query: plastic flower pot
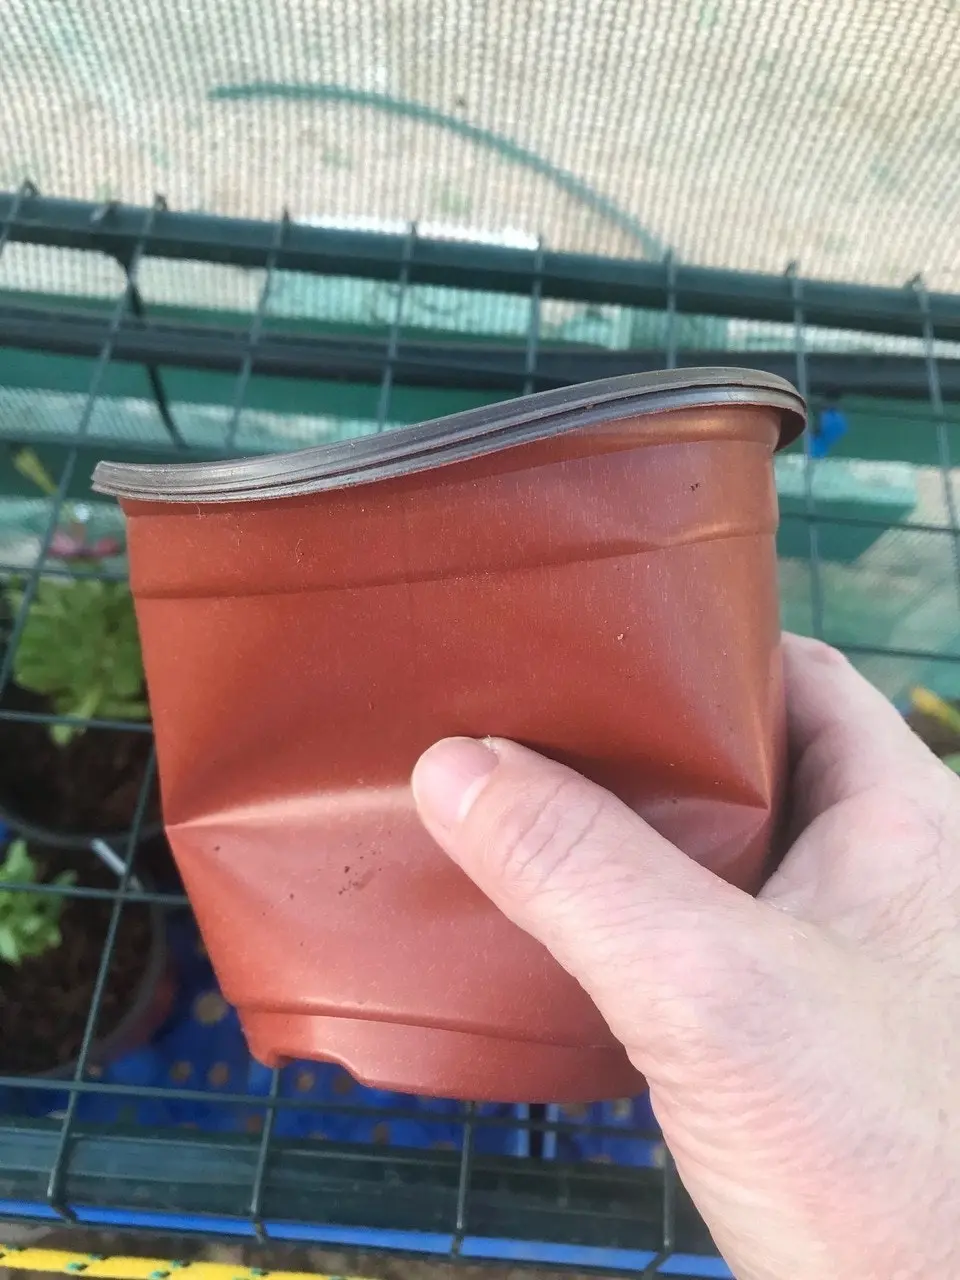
590, 571
47, 998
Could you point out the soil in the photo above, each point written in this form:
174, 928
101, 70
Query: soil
44, 1002
90, 786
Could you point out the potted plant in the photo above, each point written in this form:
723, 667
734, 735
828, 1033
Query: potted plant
50, 953
78, 655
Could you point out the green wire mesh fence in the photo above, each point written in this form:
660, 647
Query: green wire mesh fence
482, 201
187, 336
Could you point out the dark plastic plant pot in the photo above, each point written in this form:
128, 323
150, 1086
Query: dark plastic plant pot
589, 571
149, 1003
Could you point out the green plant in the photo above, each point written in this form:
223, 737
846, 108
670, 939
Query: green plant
29, 922
80, 648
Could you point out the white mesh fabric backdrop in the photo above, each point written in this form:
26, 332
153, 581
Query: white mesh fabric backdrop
738, 133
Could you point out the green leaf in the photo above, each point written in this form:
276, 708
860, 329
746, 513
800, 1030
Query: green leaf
81, 649
8, 945
64, 734
29, 922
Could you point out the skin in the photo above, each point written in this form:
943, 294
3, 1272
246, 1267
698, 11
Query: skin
803, 1047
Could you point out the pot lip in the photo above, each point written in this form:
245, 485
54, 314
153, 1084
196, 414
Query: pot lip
457, 438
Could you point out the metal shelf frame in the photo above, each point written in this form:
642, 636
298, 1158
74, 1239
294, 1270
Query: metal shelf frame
458, 1204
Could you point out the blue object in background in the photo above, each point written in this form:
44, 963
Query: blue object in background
643, 1149
831, 426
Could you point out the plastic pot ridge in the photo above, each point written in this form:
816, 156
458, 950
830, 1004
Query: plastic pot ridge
591, 572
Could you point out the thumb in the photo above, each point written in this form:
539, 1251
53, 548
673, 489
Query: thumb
662, 945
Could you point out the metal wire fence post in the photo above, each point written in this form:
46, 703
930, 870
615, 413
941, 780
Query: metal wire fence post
670, 355
58, 1173
463, 1178
83, 427
263, 1155
532, 351
157, 388
26, 191
393, 338
255, 331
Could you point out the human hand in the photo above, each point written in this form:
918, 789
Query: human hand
802, 1048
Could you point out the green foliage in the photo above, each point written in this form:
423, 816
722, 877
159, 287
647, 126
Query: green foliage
81, 649
29, 922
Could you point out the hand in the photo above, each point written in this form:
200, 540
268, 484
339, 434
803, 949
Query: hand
802, 1048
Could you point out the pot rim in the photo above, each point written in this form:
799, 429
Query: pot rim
459, 437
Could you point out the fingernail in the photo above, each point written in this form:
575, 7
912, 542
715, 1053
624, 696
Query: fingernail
448, 778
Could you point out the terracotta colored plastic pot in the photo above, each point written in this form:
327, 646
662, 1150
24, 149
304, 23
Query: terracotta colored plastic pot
590, 571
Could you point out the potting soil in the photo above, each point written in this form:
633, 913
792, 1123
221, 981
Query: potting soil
44, 1001
91, 785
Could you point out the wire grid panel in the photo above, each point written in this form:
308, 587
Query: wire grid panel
871, 563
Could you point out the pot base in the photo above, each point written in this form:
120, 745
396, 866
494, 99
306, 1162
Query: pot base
436, 1062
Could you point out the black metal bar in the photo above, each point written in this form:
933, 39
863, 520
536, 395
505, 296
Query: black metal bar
860, 522
75, 891
257, 1101
668, 1223
43, 717
670, 1188
53, 570
468, 265
100, 216
463, 1179
255, 330
532, 352
153, 373
809, 501
263, 1155
432, 363
393, 338
892, 651
218, 1099
671, 335
54, 1195
195, 1173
